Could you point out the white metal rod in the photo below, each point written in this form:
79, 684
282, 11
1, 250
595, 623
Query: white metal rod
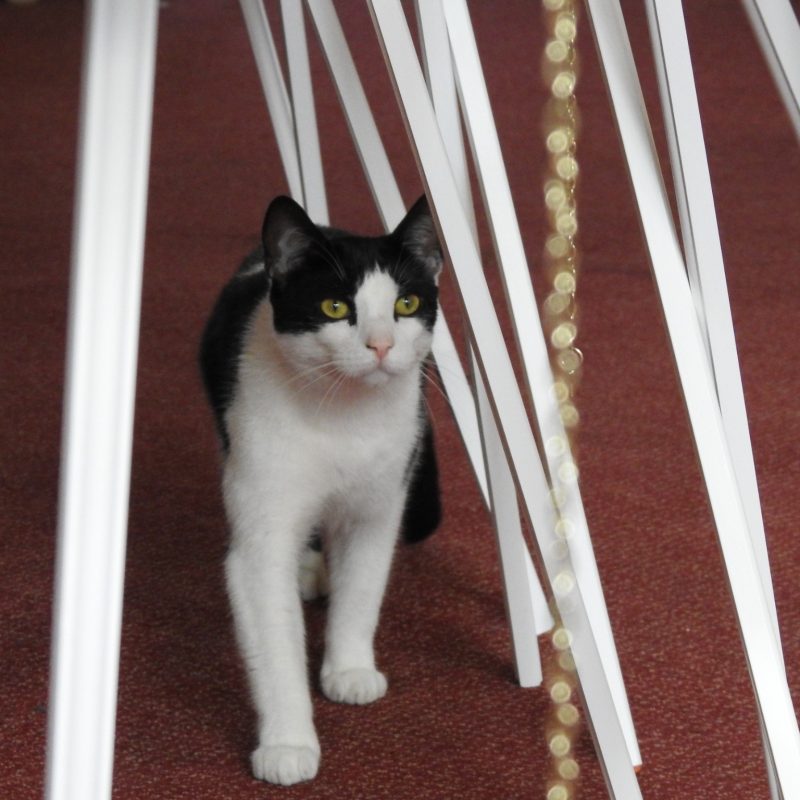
526, 604
703, 251
359, 116
303, 112
280, 109
108, 241
437, 62
778, 32
392, 209
500, 381
530, 338
755, 620
524, 597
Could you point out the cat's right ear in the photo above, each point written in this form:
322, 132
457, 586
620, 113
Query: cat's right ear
287, 234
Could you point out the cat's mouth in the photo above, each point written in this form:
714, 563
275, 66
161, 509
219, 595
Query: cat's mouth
379, 373
379, 376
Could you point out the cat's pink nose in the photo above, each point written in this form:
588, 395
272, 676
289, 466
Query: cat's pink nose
381, 348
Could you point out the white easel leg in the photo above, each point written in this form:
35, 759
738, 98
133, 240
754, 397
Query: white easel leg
705, 266
280, 110
778, 33
755, 618
101, 374
304, 114
525, 602
530, 338
500, 380
526, 605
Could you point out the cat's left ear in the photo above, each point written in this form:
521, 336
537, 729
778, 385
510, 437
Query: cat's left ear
417, 234
287, 235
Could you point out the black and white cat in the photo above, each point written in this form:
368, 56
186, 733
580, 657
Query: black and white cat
313, 361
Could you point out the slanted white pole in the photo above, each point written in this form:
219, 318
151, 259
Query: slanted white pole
280, 108
526, 605
303, 113
504, 395
778, 32
108, 244
755, 618
703, 251
531, 342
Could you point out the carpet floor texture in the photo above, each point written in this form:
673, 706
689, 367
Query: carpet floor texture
453, 724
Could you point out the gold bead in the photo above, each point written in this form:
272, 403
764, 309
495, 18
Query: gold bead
558, 792
567, 168
564, 334
564, 528
557, 303
556, 51
560, 692
569, 360
562, 638
566, 28
555, 195
563, 84
569, 415
559, 745
568, 472
568, 714
566, 661
557, 245
560, 391
564, 282
559, 140
568, 769
563, 583
555, 446
566, 223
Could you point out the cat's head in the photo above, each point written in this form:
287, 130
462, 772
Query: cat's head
364, 307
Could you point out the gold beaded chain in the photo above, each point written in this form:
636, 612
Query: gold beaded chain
559, 316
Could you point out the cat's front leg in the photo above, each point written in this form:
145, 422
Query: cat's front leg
360, 556
261, 571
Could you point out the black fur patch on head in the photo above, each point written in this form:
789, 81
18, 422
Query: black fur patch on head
308, 264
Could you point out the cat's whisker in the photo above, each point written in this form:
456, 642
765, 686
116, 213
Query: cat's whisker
430, 415
329, 394
326, 368
326, 374
434, 381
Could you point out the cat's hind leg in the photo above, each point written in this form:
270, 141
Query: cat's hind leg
313, 572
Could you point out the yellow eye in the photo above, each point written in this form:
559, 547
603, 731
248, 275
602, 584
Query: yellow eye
407, 305
335, 309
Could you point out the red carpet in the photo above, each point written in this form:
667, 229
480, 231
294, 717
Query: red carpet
453, 723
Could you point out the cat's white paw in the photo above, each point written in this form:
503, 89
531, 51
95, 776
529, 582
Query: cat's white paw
285, 764
313, 575
355, 686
